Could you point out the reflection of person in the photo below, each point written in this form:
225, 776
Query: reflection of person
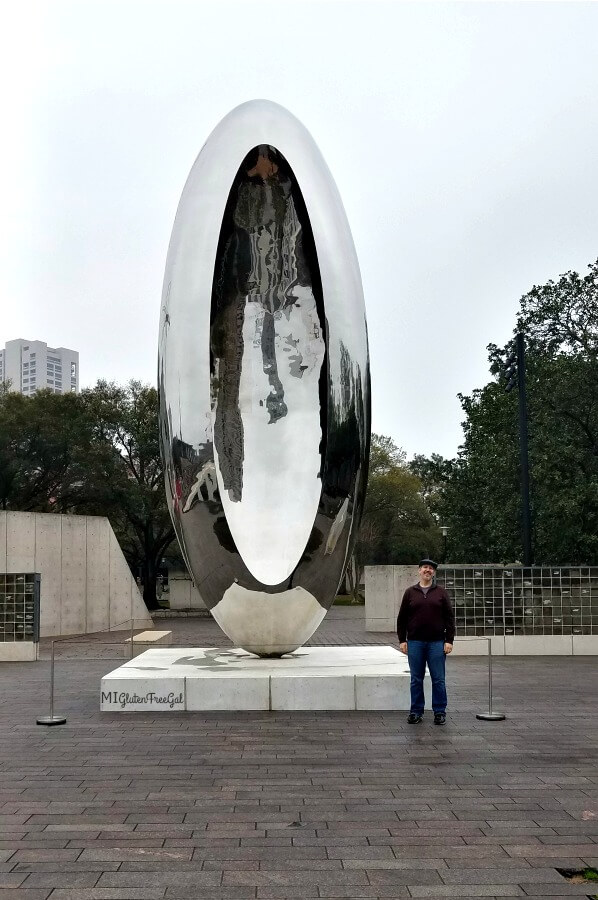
206, 479
426, 631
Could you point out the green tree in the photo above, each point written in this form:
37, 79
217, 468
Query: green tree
127, 478
44, 442
96, 453
480, 497
396, 526
435, 473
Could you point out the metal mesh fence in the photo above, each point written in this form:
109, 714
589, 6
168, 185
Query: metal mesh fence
19, 606
503, 600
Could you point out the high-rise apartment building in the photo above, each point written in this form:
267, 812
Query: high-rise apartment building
30, 366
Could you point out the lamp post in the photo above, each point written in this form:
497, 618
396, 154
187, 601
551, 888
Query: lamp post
444, 531
514, 372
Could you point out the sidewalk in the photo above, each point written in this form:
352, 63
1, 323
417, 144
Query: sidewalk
304, 805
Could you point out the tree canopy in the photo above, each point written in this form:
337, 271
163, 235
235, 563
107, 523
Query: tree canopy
396, 527
478, 494
95, 453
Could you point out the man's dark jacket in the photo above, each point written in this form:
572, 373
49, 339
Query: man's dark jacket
426, 618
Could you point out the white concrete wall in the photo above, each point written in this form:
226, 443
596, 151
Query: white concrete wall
478, 646
86, 584
585, 645
529, 645
384, 589
182, 593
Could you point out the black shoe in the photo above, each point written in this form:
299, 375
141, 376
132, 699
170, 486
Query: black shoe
439, 719
414, 719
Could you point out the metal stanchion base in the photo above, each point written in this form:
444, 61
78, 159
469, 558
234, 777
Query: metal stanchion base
491, 717
51, 720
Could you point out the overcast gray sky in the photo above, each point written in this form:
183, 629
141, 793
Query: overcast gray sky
463, 138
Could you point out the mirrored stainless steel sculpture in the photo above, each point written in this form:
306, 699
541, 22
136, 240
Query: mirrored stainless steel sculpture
264, 380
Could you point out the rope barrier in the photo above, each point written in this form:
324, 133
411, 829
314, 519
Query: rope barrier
53, 719
489, 716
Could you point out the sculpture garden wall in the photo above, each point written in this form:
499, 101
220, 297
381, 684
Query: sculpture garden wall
540, 610
86, 584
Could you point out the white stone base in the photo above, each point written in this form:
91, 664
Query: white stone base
529, 645
146, 640
478, 646
18, 651
585, 645
209, 678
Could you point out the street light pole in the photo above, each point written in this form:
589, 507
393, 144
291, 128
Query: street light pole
514, 370
444, 531
523, 450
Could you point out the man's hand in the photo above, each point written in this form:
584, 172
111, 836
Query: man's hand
448, 648
403, 647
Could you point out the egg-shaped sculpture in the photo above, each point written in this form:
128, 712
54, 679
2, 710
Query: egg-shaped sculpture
264, 380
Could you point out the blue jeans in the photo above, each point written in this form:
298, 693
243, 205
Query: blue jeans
419, 653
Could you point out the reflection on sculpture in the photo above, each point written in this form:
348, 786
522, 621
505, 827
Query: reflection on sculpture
263, 378
266, 327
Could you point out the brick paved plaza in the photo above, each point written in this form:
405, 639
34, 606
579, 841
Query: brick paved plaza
303, 805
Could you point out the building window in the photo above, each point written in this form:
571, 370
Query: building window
32, 356
73, 370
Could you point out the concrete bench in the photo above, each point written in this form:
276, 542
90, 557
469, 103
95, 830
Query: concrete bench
147, 639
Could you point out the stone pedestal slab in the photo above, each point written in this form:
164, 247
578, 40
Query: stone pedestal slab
165, 679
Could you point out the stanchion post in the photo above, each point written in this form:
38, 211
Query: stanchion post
51, 719
132, 622
490, 716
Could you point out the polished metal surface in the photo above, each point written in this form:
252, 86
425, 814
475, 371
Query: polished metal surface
264, 380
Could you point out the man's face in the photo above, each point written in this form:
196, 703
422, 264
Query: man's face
426, 573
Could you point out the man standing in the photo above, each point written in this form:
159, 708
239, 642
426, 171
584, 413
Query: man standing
426, 631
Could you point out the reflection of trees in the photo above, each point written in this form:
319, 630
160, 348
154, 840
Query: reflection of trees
347, 445
266, 257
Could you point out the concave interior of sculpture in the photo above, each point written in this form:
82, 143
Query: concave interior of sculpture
268, 367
